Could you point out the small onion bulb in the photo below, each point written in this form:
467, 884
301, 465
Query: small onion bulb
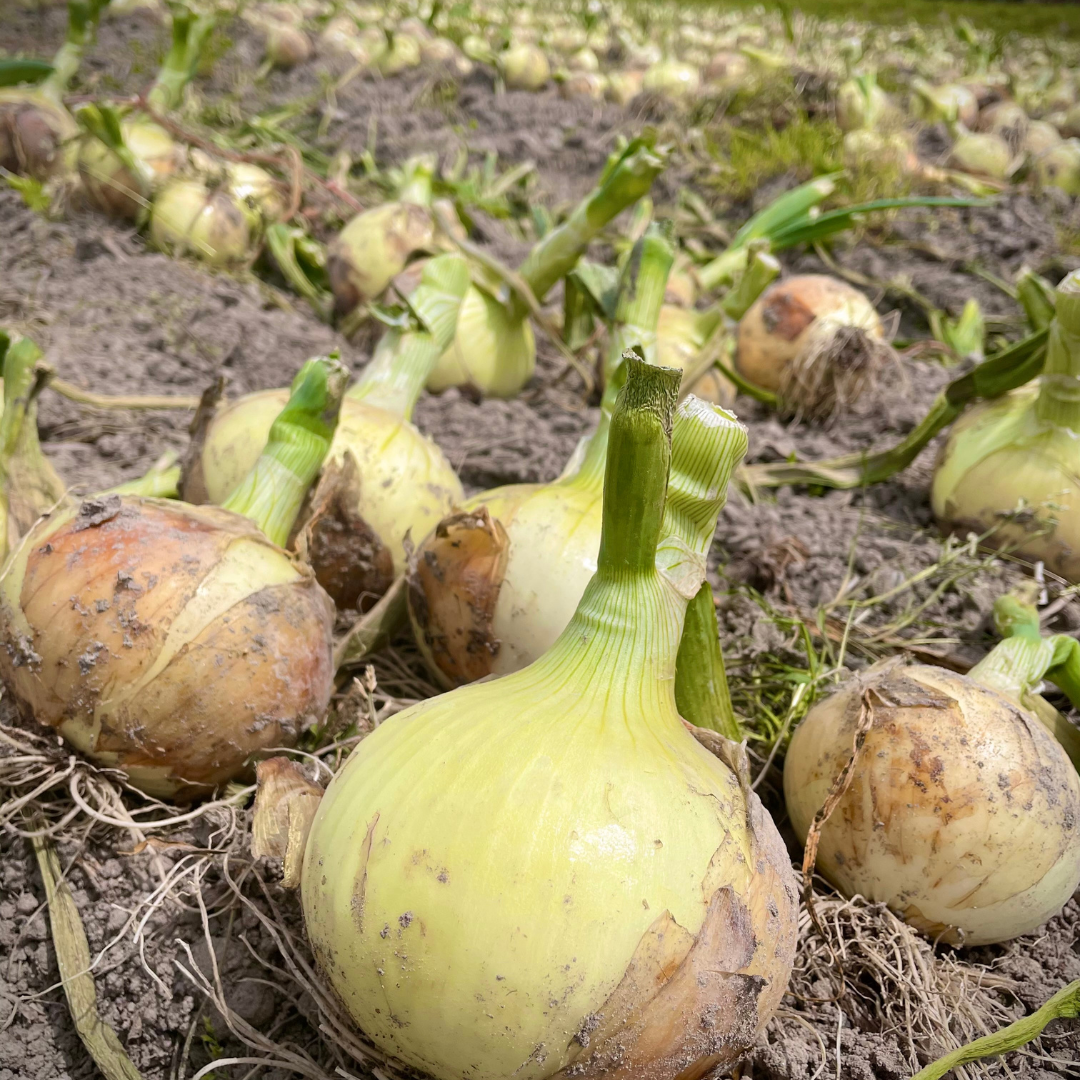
812, 339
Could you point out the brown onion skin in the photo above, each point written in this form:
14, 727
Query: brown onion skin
100, 599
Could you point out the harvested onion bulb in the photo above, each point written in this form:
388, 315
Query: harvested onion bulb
494, 350
374, 246
498, 580
561, 827
1011, 465
406, 485
172, 641
815, 341
963, 810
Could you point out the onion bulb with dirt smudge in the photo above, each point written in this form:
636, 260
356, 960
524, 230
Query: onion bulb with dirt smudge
374, 246
568, 798
124, 161
963, 813
494, 350
36, 129
1011, 465
403, 485
493, 586
814, 341
172, 641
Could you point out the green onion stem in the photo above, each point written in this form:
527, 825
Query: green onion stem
638, 461
761, 271
29, 485
273, 491
995, 376
641, 295
1036, 296
625, 180
701, 686
1024, 657
83, 16
666, 480
405, 357
1058, 402
790, 206
1065, 1004
160, 481
189, 35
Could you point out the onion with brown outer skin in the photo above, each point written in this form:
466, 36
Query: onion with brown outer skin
963, 814
813, 340
172, 641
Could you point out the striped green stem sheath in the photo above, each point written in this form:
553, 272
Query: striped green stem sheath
273, 491
405, 357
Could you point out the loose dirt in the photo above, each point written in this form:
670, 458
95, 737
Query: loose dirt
115, 318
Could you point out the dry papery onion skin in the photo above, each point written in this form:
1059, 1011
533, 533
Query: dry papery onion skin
172, 641
816, 342
488, 900
963, 814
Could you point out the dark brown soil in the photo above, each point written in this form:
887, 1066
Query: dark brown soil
116, 318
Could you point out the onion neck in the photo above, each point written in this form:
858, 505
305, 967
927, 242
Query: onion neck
419, 174
1024, 657
189, 36
273, 491
641, 295
662, 495
1058, 402
82, 21
29, 485
625, 180
405, 358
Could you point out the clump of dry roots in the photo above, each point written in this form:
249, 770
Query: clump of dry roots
839, 364
861, 967
856, 960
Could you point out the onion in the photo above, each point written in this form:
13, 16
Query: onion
442, 52
1019, 453
524, 67
120, 188
861, 103
1060, 166
584, 84
403, 53
374, 247
951, 103
981, 153
33, 131
624, 86
286, 45
1005, 118
1040, 137
815, 341
962, 811
35, 127
672, 80
211, 223
583, 60
494, 350
669, 926
863, 148
727, 69
496, 583
406, 485
153, 635
680, 337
